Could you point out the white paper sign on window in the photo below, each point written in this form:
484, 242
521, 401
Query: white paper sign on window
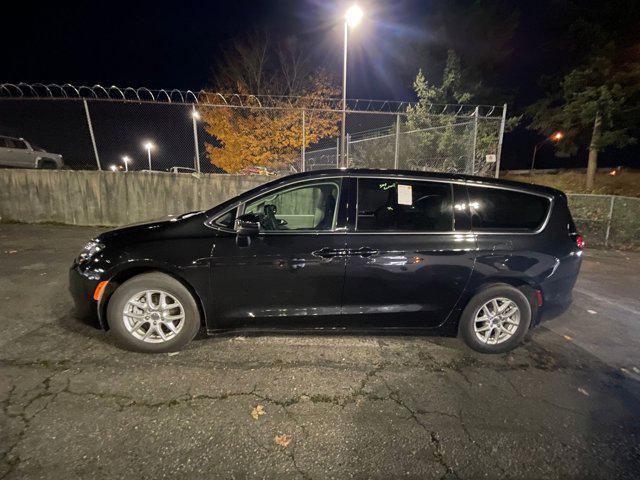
405, 196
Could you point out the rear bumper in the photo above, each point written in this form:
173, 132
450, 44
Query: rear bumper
557, 290
81, 289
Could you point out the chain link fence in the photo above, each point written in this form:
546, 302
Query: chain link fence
607, 220
170, 130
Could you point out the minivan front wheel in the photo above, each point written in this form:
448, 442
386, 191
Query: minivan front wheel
153, 312
496, 319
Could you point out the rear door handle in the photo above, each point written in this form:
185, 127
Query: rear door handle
363, 252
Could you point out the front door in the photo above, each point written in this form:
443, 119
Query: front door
406, 265
292, 273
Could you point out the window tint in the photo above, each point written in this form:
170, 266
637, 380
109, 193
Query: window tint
308, 207
396, 205
227, 220
497, 209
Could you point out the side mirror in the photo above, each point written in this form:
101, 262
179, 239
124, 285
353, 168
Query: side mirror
248, 225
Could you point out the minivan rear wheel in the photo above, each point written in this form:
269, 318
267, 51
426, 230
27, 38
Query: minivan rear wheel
153, 313
496, 319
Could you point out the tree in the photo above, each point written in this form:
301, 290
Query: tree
276, 84
589, 105
447, 139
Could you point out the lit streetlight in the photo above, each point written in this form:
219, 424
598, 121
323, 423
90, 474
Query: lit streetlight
555, 137
148, 146
126, 161
113, 168
351, 19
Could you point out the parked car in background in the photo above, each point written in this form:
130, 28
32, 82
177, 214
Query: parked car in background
181, 170
257, 171
340, 249
18, 152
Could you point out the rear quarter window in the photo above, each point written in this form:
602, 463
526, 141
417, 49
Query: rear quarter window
496, 209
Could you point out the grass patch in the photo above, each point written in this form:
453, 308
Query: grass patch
626, 182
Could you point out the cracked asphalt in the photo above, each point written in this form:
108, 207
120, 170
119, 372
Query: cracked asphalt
564, 405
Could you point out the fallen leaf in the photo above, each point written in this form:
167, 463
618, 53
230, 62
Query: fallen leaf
10, 252
592, 312
171, 354
283, 440
636, 369
257, 411
567, 337
624, 370
584, 392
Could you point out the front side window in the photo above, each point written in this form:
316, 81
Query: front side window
396, 205
495, 209
305, 207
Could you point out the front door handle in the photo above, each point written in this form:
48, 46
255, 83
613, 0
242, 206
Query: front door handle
327, 252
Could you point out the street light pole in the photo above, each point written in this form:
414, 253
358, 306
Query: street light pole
195, 116
343, 128
126, 161
149, 146
555, 137
351, 19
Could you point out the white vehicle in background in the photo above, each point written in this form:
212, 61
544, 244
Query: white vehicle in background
17, 152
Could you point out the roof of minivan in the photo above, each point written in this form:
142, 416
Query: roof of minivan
469, 179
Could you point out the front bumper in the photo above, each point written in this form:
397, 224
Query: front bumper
81, 288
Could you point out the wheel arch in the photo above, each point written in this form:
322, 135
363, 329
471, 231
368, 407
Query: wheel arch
41, 161
123, 275
525, 285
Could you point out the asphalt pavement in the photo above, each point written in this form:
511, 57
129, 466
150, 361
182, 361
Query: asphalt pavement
564, 405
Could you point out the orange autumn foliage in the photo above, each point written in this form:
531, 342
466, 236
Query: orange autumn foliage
270, 137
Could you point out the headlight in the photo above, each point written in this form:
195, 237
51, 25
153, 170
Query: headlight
89, 250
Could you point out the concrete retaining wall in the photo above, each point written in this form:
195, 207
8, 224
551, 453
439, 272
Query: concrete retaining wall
111, 198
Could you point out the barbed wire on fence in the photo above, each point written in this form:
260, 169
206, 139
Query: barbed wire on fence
68, 91
96, 126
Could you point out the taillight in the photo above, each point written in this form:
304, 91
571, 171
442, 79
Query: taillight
539, 297
580, 242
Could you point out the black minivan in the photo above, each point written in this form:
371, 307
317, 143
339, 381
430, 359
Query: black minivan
377, 250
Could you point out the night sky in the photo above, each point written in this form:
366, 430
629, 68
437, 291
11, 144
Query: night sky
175, 45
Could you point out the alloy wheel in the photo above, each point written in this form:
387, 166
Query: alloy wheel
153, 316
496, 321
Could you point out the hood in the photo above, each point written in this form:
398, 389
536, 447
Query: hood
185, 225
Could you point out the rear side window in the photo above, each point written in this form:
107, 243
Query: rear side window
496, 209
396, 205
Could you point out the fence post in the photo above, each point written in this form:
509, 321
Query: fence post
338, 152
194, 115
93, 138
304, 141
346, 151
395, 153
499, 152
606, 235
475, 140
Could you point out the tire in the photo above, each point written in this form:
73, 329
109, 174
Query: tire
474, 314
132, 293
